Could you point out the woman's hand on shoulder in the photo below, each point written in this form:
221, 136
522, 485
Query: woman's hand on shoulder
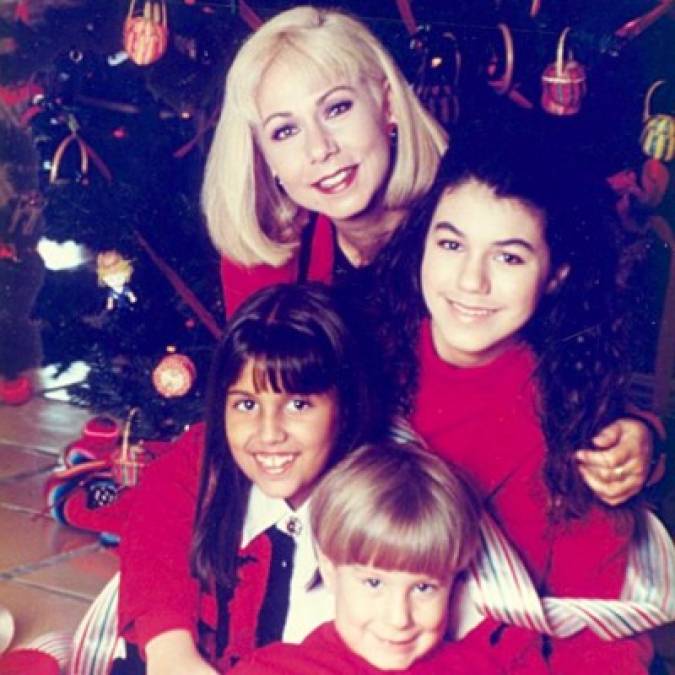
619, 465
174, 653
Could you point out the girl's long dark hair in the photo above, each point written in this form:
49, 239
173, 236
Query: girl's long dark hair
577, 332
296, 336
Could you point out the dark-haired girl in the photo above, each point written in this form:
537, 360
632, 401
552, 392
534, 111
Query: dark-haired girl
502, 334
288, 398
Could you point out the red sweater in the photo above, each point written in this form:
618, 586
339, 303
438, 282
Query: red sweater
324, 653
240, 281
484, 420
157, 591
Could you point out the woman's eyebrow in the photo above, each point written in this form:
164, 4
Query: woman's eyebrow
283, 114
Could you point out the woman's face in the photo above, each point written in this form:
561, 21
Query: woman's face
325, 140
282, 442
486, 264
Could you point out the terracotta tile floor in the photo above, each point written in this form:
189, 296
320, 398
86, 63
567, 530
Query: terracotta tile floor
48, 573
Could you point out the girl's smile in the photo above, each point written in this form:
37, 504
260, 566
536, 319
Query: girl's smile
281, 441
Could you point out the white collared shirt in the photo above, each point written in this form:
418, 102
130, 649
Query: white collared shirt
307, 608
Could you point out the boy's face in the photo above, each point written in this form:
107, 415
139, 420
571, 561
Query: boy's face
389, 618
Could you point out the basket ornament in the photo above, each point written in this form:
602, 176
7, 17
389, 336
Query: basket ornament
563, 83
658, 133
501, 74
437, 80
146, 34
129, 460
57, 159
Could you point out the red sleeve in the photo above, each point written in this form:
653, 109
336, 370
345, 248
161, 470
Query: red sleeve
157, 592
581, 558
480, 653
239, 281
588, 559
586, 654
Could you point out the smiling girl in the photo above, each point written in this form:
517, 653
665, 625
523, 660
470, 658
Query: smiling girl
288, 398
501, 331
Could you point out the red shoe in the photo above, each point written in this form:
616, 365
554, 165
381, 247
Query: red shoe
17, 391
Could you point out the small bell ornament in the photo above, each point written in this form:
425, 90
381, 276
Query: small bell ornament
115, 272
174, 375
146, 35
658, 133
563, 83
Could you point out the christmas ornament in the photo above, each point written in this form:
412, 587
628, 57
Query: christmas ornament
563, 83
437, 79
174, 375
17, 391
146, 36
114, 271
85, 150
658, 134
8, 252
61, 151
500, 69
129, 460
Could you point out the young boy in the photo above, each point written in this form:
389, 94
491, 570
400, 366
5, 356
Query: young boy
393, 525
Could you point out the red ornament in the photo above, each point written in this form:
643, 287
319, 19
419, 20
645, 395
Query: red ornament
563, 83
174, 375
17, 391
146, 37
8, 252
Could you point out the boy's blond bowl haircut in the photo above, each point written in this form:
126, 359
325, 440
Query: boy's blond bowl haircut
397, 507
247, 216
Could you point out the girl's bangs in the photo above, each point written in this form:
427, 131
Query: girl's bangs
292, 362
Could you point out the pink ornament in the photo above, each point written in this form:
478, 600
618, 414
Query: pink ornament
563, 83
174, 375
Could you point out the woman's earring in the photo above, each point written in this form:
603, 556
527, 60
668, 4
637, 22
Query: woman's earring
392, 132
279, 184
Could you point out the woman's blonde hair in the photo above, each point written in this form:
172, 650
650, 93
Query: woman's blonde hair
248, 217
398, 507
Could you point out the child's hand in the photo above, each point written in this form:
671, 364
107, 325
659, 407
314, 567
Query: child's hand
174, 653
618, 467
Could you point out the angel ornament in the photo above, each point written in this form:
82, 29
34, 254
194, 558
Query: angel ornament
114, 272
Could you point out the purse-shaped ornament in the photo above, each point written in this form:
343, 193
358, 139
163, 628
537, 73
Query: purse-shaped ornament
146, 35
658, 134
563, 83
